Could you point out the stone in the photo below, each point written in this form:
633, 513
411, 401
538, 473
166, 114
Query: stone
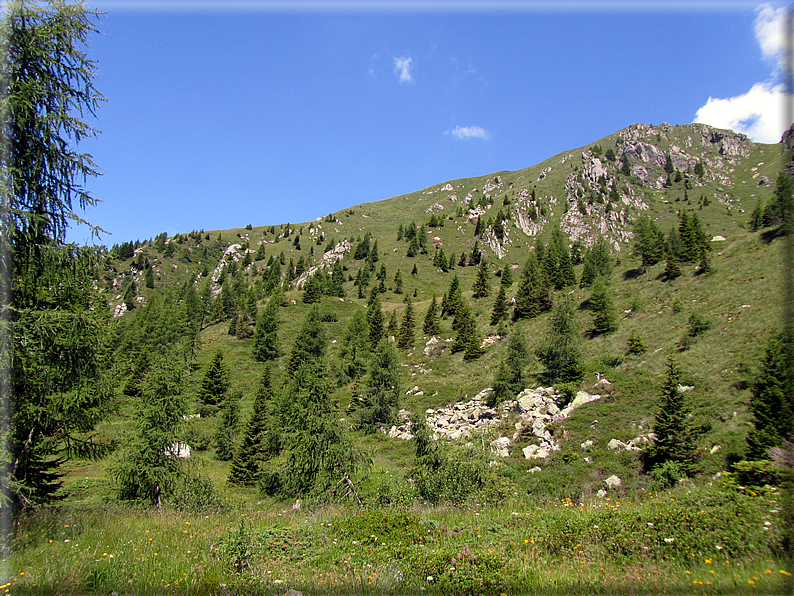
527, 403
616, 444
613, 481
529, 451
534, 470
582, 397
587, 444
601, 493
501, 447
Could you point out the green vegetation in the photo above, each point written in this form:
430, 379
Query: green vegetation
150, 346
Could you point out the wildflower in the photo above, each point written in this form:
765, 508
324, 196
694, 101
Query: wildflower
768, 571
786, 573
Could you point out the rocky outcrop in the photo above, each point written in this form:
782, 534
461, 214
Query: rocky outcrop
326, 262
529, 414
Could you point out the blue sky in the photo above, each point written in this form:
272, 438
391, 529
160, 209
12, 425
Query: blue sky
221, 114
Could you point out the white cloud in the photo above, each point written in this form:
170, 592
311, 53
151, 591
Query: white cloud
769, 31
402, 68
469, 132
758, 113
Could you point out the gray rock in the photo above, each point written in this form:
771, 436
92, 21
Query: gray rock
534, 470
613, 481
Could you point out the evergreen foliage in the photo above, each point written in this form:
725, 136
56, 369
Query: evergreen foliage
560, 353
405, 338
597, 262
228, 426
374, 319
354, 351
259, 440
649, 241
510, 378
215, 383
634, 344
675, 439
266, 344
431, 324
454, 298
320, 459
480, 288
532, 296
499, 311
601, 304
148, 468
771, 402
381, 392
310, 344
507, 276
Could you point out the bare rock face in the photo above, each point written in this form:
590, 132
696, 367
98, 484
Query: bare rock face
326, 263
645, 152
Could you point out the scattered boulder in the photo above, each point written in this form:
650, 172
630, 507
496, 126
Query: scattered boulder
613, 481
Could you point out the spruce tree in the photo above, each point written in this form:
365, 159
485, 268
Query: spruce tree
480, 287
603, 308
319, 458
465, 326
266, 333
355, 348
398, 282
405, 338
310, 344
675, 439
393, 325
597, 261
510, 377
336, 287
431, 324
560, 352
227, 426
215, 383
259, 440
507, 276
374, 319
147, 467
532, 296
771, 401
649, 242
499, 312
381, 391
756, 219
454, 298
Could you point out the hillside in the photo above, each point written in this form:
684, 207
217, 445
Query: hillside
179, 305
588, 193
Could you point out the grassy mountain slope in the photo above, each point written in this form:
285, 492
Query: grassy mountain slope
587, 194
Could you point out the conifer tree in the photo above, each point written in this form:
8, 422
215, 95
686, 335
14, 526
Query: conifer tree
374, 319
532, 296
147, 468
510, 377
266, 345
507, 276
465, 326
675, 440
313, 290
149, 278
597, 261
603, 308
319, 457
756, 219
129, 296
310, 344
431, 324
560, 352
259, 440
405, 338
355, 348
454, 298
771, 401
215, 383
557, 261
336, 287
398, 282
381, 390
649, 242
413, 247
480, 287
227, 426
499, 311
393, 325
